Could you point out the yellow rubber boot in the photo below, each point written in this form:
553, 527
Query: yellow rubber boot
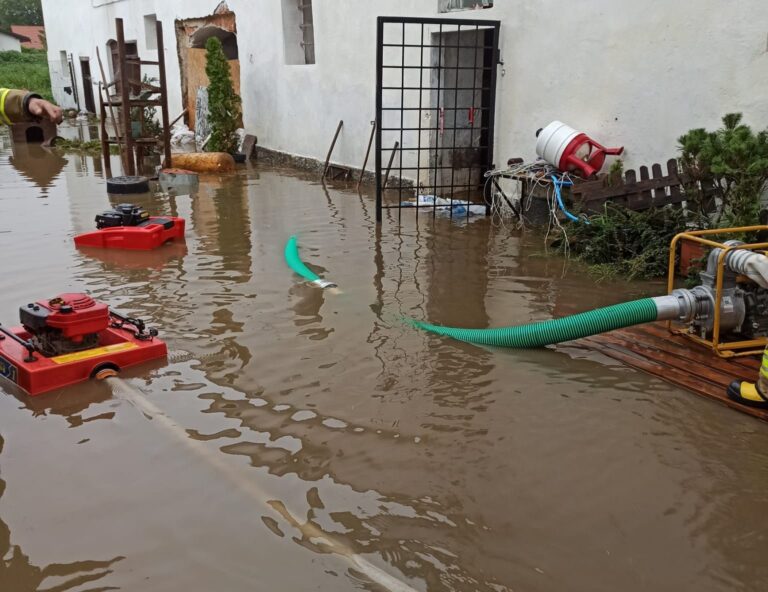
746, 393
751, 394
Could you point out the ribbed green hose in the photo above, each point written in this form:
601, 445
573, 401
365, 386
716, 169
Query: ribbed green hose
296, 264
556, 330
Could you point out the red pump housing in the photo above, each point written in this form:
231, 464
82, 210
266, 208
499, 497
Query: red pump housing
151, 234
70, 339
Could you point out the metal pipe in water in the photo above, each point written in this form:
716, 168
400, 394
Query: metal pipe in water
138, 399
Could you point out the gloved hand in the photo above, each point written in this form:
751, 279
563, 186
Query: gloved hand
45, 110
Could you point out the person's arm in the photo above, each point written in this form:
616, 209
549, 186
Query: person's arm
19, 105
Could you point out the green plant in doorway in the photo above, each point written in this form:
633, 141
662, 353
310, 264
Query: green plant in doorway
223, 101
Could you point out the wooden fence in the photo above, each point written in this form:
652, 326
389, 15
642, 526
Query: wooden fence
649, 191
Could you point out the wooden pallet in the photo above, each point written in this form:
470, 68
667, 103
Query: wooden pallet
675, 359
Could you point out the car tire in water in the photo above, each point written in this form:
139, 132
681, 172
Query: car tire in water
128, 185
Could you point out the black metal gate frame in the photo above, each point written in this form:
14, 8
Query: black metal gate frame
489, 69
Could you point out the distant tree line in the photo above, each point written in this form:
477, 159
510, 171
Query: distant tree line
20, 12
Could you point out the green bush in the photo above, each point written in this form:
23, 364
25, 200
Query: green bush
729, 164
223, 102
627, 243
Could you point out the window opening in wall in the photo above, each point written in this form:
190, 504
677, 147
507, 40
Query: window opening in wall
451, 5
298, 32
150, 30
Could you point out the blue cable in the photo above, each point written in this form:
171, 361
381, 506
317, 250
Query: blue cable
558, 183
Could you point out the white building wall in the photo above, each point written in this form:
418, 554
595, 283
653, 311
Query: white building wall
9, 43
633, 73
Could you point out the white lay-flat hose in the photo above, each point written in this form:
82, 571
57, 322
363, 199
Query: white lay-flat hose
138, 399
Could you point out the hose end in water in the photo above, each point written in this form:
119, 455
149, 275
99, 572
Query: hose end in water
325, 284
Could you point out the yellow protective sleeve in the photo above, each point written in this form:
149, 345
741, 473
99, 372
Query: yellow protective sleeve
12, 106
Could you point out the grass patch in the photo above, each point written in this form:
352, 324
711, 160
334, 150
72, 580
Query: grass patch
26, 70
89, 148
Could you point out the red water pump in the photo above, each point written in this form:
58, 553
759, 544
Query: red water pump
127, 226
570, 150
72, 338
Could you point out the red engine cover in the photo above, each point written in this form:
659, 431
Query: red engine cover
76, 315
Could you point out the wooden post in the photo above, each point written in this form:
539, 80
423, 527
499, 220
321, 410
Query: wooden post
105, 138
163, 95
330, 150
389, 166
367, 154
105, 152
125, 99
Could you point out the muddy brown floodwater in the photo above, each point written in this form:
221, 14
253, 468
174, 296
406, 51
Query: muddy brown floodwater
302, 440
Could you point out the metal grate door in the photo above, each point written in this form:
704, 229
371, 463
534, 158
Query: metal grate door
435, 108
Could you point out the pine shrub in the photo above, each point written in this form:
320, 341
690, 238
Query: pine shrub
223, 102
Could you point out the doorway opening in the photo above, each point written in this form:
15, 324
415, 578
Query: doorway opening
435, 112
85, 69
191, 37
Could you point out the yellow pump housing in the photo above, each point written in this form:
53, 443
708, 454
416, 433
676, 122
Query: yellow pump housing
705, 238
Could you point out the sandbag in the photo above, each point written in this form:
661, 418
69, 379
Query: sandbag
204, 162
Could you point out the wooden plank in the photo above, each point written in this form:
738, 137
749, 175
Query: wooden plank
715, 375
684, 346
130, 163
654, 367
627, 188
652, 349
659, 193
675, 194
645, 187
687, 380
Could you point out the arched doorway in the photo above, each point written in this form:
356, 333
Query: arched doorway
192, 36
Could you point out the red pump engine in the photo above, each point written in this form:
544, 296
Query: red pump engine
65, 324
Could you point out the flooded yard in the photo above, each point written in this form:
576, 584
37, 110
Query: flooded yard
299, 439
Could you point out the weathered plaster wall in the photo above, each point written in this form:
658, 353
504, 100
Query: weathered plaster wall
8, 43
634, 73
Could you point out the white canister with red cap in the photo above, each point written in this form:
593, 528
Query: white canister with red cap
571, 150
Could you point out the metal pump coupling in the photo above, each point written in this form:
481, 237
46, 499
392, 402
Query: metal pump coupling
684, 305
697, 306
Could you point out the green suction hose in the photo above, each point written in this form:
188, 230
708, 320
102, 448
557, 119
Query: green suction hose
556, 330
296, 264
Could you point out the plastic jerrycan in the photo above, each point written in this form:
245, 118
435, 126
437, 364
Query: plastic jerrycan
571, 150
